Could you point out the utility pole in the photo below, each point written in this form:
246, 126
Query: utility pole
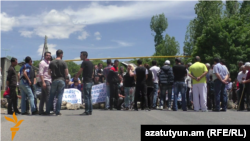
45, 47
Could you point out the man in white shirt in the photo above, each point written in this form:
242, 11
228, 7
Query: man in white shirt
241, 77
155, 70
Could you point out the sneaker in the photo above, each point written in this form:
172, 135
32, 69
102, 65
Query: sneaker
161, 108
59, 114
204, 110
169, 109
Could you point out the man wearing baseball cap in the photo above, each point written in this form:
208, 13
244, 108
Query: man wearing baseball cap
166, 80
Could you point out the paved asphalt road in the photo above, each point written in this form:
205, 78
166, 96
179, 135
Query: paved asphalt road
108, 125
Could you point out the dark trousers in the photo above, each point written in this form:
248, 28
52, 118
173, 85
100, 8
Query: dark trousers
188, 98
220, 95
113, 95
150, 95
241, 97
247, 88
144, 99
210, 100
12, 101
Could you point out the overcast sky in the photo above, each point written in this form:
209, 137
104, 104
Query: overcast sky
104, 29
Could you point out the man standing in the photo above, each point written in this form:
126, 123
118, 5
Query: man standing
58, 71
155, 70
166, 80
12, 84
100, 73
45, 81
241, 77
221, 76
87, 71
247, 86
141, 74
180, 86
114, 81
198, 72
105, 73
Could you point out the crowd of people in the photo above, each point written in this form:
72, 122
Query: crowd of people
201, 86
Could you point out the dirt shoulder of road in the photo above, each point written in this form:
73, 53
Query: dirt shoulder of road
3, 110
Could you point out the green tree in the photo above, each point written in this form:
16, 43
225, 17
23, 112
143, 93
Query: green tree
232, 8
245, 11
189, 40
36, 63
205, 10
168, 47
73, 68
227, 38
158, 24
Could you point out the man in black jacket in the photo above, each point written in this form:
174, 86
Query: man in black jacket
166, 80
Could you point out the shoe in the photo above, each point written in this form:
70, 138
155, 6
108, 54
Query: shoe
160, 107
34, 113
106, 109
147, 109
43, 113
26, 113
154, 108
86, 114
204, 110
135, 109
223, 110
90, 113
216, 110
169, 109
58, 114
10, 113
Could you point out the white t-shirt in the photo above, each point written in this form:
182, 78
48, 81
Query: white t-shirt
155, 70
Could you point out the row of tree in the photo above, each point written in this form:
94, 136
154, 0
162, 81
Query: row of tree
220, 30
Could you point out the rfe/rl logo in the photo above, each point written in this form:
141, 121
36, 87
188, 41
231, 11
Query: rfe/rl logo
15, 128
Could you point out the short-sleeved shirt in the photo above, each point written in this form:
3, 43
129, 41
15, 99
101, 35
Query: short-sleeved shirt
12, 77
222, 71
57, 68
115, 69
155, 70
26, 67
141, 73
87, 72
197, 69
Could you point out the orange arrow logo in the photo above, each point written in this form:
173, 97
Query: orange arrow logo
15, 128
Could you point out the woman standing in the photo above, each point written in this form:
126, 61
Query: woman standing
129, 87
150, 86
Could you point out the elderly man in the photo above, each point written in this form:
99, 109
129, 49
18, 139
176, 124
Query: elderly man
198, 72
221, 76
247, 85
241, 77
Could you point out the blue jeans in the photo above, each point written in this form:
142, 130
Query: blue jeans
156, 87
26, 91
164, 88
220, 94
87, 97
108, 95
57, 89
180, 87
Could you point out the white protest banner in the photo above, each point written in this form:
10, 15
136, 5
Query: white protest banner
98, 93
72, 95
